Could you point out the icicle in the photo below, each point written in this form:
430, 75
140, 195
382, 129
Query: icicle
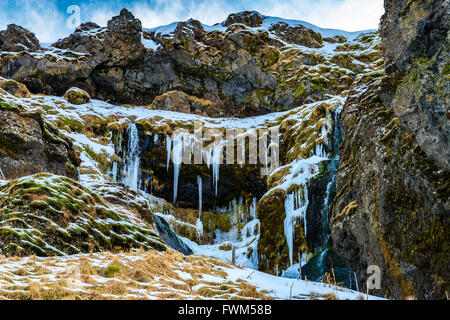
131, 178
169, 149
177, 155
199, 182
216, 161
253, 209
289, 224
295, 206
114, 171
199, 223
199, 226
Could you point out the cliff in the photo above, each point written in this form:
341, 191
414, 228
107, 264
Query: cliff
392, 205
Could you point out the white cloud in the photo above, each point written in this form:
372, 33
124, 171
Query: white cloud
41, 17
350, 15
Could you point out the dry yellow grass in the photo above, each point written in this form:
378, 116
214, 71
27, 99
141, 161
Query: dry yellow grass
131, 275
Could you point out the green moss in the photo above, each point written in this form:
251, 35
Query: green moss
49, 211
70, 125
112, 270
10, 106
101, 158
299, 91
376, 73
52, 133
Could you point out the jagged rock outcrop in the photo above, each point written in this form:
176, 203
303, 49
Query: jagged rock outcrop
298, 35
29, 145
116, 45
16, 39
392, 206
249, 18
244, 70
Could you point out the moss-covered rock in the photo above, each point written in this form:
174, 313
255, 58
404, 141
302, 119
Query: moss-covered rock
29, 144
15, 88
50, 215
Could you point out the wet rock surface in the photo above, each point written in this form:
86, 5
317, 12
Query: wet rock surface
392, 203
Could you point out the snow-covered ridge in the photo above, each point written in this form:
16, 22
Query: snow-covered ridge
268, 22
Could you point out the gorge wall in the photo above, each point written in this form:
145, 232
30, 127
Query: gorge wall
392, 206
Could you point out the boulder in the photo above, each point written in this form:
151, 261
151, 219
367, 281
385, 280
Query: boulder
77, 96
15, 88
181, 102
29, 145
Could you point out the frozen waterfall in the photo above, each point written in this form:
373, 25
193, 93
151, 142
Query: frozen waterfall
132, 161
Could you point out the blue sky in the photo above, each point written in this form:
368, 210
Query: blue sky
47, 18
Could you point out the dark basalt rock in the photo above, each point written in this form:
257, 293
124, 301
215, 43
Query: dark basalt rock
88, 26
17, 39
241, 72
30, 145
191, 29
249, 18
298, 35
416, 42
126, 26
392, 207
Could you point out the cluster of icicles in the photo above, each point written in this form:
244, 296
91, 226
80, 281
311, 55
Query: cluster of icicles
296, 202
176, 147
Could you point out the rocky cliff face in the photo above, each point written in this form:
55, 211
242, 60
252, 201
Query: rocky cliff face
249, 64
392, 206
